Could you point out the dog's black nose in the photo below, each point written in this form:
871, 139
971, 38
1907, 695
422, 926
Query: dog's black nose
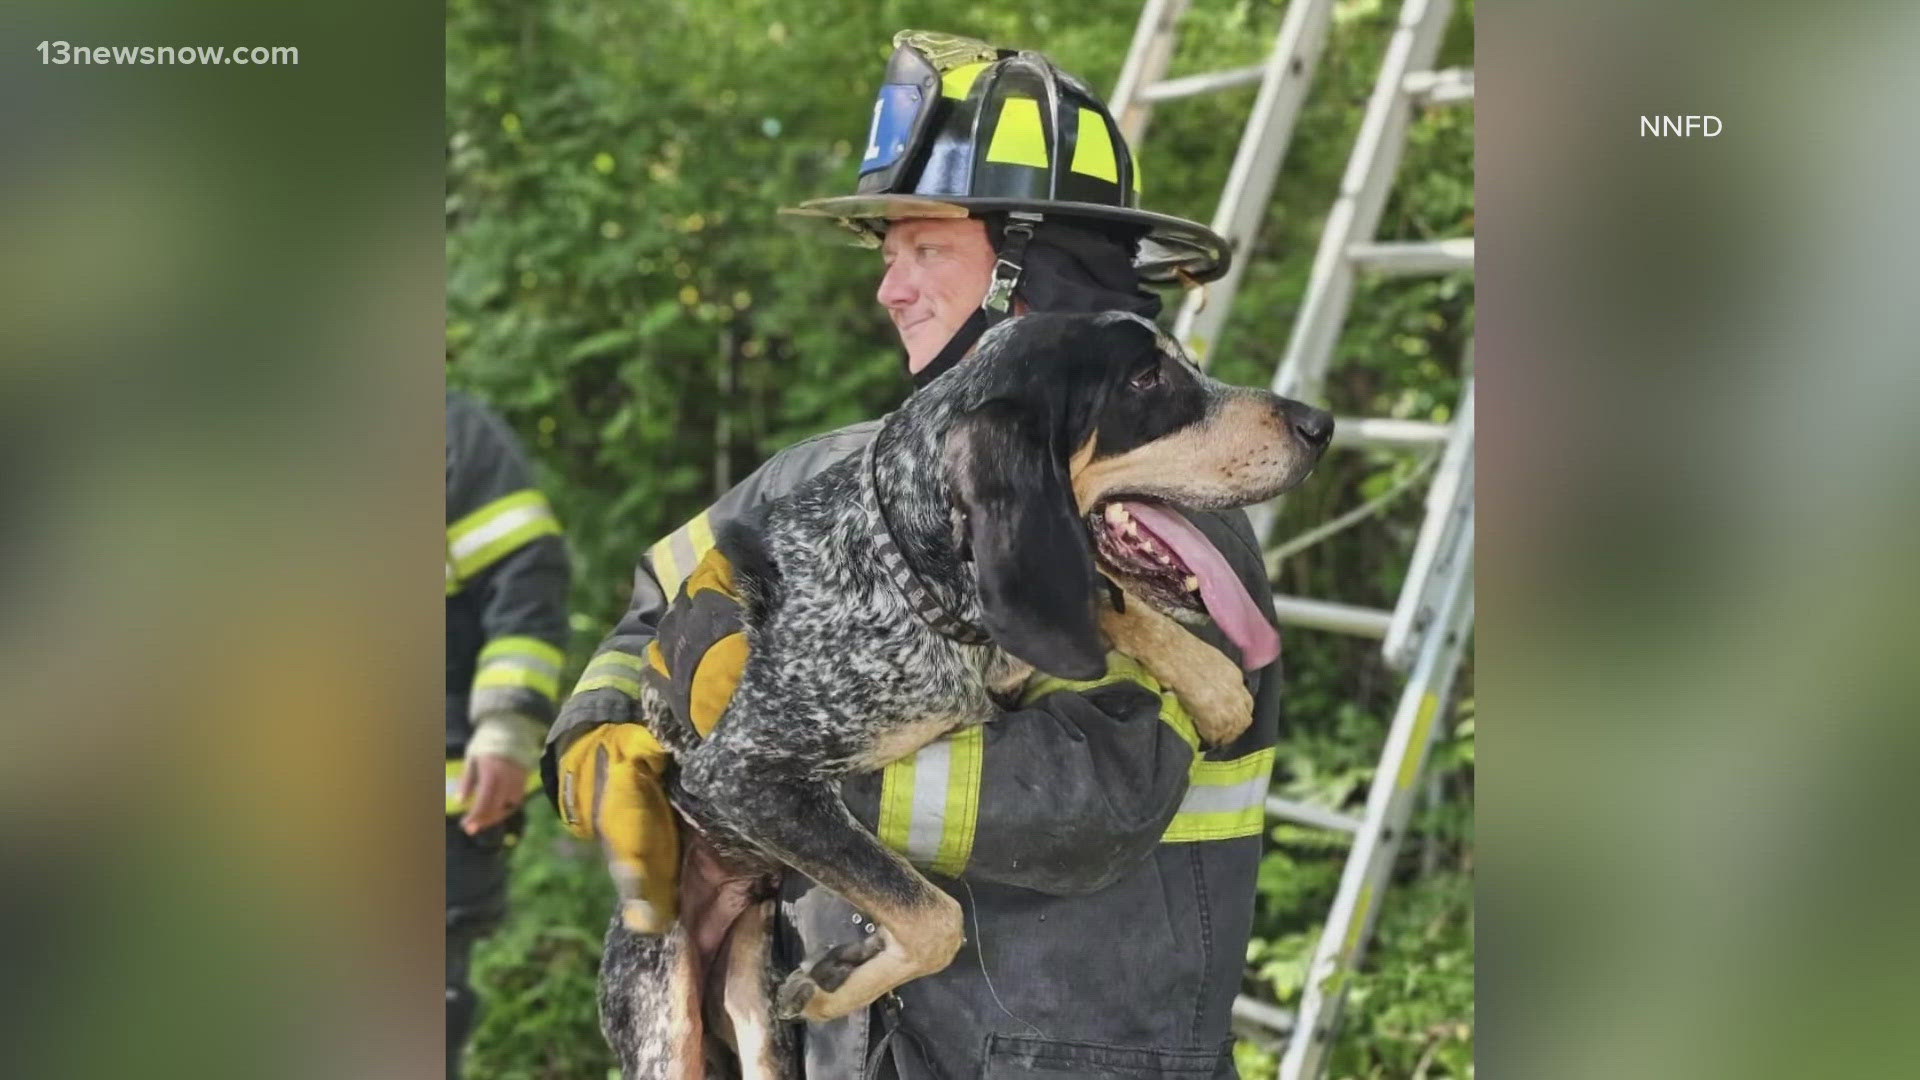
1314, 426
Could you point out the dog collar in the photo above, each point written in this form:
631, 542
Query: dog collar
894, 565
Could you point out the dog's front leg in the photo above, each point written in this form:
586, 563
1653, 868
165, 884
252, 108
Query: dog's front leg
801, 822
1209, 684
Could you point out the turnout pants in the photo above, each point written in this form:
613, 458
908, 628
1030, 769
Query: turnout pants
476, 903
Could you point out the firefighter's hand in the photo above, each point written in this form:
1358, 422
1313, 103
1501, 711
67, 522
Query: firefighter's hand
493, 788
611, 789
500, 757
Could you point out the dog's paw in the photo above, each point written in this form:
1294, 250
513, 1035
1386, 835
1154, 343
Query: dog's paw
831, 970
813, 992
795, 994
1221, 711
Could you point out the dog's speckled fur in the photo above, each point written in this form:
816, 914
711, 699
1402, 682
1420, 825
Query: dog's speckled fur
985, 477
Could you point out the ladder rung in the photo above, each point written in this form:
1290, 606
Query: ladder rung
1329, 615
1189, 85
1308, 814
1444, 87
1386, 431
1272, 1017
1415, 257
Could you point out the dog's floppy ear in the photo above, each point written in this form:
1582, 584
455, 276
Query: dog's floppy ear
1032, 559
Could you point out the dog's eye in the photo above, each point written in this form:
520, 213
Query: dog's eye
1146, 378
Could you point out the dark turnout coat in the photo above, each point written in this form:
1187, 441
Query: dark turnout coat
1106, 872
507, 576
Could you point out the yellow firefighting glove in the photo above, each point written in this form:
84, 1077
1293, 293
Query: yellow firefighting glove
612, 777
611, 788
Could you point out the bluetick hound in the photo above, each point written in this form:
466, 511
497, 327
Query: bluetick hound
910, 590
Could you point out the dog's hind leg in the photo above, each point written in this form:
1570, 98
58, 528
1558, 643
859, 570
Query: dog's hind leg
802, 823
649, 1004
765, 1046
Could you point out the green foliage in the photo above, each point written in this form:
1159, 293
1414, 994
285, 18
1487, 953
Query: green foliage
1411, 1013
537, 974
621, 288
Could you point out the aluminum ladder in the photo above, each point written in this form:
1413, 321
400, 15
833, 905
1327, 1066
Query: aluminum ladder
1284, 77
1426, 632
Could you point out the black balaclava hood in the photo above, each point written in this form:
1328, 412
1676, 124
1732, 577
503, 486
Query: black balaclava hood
1063, 267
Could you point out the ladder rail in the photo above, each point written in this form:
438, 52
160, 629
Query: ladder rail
1147, 59
1355, 216
1390, 799
1363, 195
1285, 79
1449, 502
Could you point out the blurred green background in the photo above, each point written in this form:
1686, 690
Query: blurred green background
619, 286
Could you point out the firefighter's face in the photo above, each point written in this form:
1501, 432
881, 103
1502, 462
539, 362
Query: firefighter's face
937, 274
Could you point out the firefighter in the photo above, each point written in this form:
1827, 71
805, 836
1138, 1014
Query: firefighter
1104, 865
507, 579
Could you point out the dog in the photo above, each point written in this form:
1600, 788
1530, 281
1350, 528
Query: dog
1013, 515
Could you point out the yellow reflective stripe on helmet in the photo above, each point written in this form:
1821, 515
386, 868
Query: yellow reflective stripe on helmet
1018, 138
520, 661
478, 540
930, 802
456, 768
676, 556
956, 83
1224, 800
1093, 149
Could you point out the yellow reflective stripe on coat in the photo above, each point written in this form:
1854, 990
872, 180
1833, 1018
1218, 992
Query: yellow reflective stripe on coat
1224, 800
520, 661
612, 670
1121, 668
676, 556
456, 768
497, 529
930, 802
1018, 138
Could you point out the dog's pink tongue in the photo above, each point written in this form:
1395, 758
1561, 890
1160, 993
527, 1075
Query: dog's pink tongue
1233, 610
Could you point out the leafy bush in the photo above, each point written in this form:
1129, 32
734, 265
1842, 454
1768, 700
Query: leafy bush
538, 975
